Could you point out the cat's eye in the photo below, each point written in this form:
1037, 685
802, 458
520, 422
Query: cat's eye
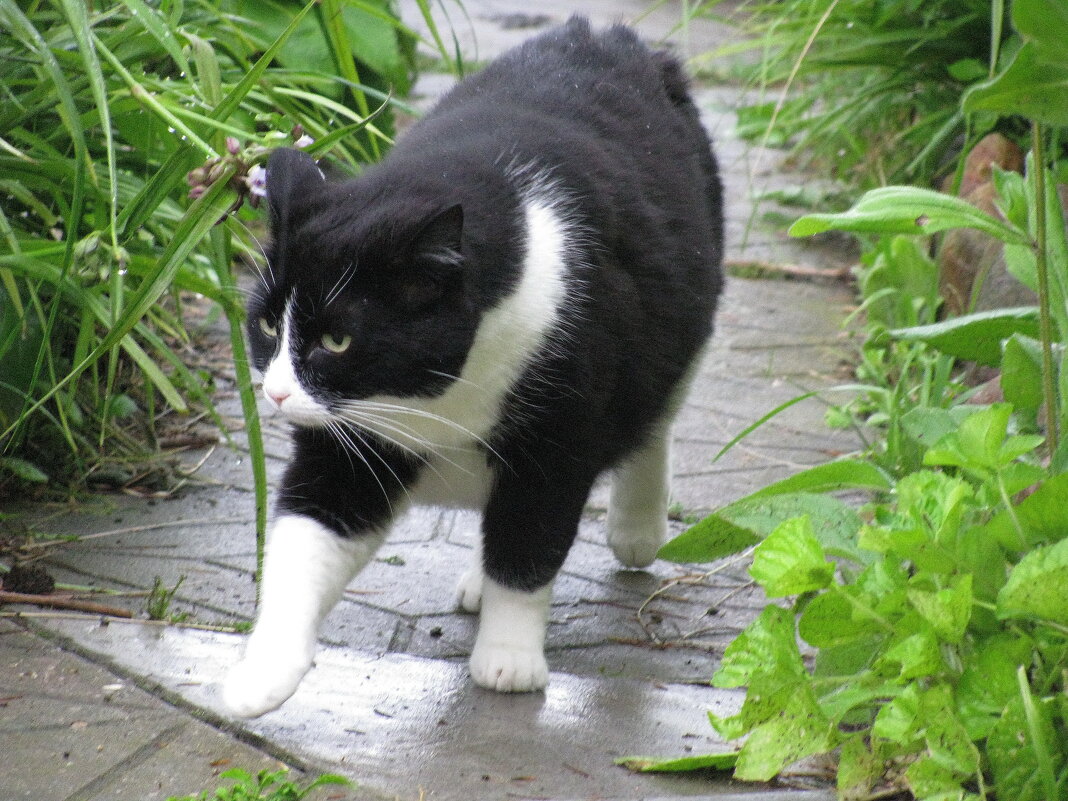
336, 344
267, 328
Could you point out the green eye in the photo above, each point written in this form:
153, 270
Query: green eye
336, 345
267, 328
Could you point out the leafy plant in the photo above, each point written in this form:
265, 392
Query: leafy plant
100, 246
867, 89
937, 616
158, 603
926, 641
264, 786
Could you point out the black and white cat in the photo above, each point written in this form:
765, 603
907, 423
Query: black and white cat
506, 307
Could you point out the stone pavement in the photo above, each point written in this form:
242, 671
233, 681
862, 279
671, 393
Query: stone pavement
130, 710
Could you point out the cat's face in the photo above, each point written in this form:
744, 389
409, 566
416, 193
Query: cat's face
360, 300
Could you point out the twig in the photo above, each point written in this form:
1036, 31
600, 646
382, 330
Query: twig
127, 619
773, 269
134, 530
62, 602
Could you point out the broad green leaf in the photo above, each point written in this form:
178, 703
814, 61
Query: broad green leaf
1044, 22
976, 337
908, 210
1021, 766
914, 656
724, 761
930, 780
710, 539
928, 424
838, 475
981, 442
835, 618
767, 644
1038, 585
859, 769
799, 730
947, 740
1021, 373
987, 684
948, 610
1031, 86
899, 720
834, 523
791, 561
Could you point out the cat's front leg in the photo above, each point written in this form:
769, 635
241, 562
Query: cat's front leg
306, 568
509, 651
529, 524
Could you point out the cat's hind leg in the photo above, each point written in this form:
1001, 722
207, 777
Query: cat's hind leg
638, 504
306, 568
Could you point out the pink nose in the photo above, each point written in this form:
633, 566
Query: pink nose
278, 396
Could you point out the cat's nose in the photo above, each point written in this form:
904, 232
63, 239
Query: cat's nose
276, 395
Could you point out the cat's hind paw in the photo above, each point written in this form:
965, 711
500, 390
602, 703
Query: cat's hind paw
255, 687
636, 547
509, 668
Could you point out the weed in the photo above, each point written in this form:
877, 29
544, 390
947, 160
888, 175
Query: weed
264, 786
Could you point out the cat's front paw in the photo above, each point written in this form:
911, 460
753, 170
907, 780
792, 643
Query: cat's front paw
254, 687
509, 668
469, 590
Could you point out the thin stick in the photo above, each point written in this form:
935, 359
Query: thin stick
62, 602
134, 530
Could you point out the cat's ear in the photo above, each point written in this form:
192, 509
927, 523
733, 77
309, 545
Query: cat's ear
439, 240
290, 173
434, 260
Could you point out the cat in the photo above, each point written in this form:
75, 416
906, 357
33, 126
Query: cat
510, 304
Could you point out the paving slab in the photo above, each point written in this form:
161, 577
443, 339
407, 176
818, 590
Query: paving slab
130, 710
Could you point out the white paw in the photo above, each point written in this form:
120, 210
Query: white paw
509, 668
255, 686
636, 544
469, 590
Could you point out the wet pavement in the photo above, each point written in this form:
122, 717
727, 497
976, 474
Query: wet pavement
131, 709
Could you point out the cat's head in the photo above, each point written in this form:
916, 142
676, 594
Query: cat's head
365, 293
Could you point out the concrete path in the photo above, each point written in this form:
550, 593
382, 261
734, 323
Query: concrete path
130, 710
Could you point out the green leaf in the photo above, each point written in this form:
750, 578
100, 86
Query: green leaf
639, 764
987, 684
1024, 766
25, 470
767, 644
710, 539
1045, 23
791, 561
1041, 514
908, 210
832, 619
915, 656
976, 337
928, 424
799, 730
981, 443
838, 475
1021, 373
948, 610
1038, 586
1033, 85
835, 523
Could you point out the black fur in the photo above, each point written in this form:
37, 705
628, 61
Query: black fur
426, 242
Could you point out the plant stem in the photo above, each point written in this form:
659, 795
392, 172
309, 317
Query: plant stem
1049, 389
